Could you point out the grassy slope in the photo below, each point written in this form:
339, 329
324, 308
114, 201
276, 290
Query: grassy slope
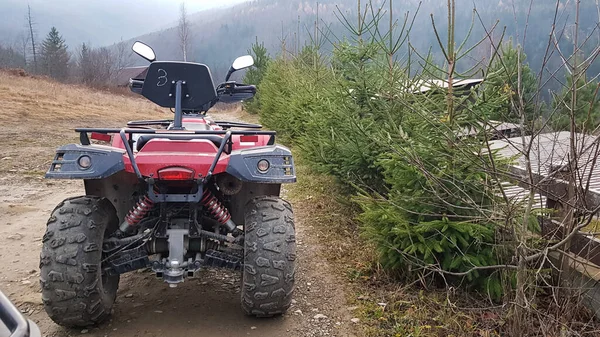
39, 115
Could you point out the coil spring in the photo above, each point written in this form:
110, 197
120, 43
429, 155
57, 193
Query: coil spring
215, 208
140, 211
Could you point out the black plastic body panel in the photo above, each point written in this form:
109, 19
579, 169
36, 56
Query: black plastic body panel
105, 161
236, 204
123, 189
243, 165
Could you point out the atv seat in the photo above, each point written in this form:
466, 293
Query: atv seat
144, 139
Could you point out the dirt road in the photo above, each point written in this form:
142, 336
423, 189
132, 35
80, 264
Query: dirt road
207, 306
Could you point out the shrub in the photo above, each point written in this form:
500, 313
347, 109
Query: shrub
427, 197
255, 74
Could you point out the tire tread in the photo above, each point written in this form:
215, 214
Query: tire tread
268, 275
72, 293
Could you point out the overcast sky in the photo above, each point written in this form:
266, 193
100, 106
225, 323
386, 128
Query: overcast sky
198, 5
99, 22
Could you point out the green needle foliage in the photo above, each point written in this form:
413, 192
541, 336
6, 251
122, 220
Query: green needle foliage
418, 155
55, 57
587, 106
503, 79
416, 163
255, 74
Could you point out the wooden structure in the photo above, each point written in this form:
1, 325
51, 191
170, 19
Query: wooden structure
549, 155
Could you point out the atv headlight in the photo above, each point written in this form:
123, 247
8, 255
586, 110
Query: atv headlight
263, 165
85, 162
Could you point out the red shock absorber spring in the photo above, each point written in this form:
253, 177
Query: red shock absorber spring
215, 208
139, 211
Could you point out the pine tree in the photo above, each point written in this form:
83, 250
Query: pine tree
587, 111
85, 65
261, 56
504, 80
55, 57
255, 74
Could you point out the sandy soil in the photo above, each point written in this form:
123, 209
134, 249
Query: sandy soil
206, 306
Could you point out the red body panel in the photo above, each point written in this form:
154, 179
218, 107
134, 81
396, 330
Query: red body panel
196, 154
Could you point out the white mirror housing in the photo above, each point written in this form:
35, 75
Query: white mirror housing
243, 62
144, 51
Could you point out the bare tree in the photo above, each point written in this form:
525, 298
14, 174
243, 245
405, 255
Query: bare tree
99, 67
23, 44
184, 31
122, 56
30, 24
103, 61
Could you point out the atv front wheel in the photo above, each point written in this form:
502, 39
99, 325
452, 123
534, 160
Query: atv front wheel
75, 292
269, 257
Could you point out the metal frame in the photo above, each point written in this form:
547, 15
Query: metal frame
129, 150
191, 198
228, 125
182, 132
166, 122
226, 141
126, 142
177, 123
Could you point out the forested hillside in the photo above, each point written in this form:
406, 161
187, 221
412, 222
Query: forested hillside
221, 35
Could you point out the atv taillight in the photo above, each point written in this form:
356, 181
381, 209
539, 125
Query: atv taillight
176, 173
101, 136
249, 139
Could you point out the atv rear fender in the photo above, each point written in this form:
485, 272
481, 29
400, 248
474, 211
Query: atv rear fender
243, 164
71, 160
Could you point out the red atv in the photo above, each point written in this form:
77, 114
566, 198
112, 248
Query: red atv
175, 196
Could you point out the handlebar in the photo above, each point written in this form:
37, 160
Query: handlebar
231, 92
136, 86
228, 92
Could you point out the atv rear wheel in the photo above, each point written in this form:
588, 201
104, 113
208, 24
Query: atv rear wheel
269, 257
74, 290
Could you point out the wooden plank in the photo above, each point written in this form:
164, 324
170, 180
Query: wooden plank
585, 246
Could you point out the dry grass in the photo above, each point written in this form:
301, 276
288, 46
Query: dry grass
389, 307
384, 306
39, 115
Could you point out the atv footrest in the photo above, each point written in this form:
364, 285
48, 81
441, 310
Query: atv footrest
127, 261
217, 259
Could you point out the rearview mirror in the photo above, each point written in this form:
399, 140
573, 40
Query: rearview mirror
240, 63
243, 62
144, 51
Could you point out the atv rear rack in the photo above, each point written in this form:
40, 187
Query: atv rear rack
86, 141
128, 142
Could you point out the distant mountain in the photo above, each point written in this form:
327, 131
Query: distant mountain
99, 22
222, 34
